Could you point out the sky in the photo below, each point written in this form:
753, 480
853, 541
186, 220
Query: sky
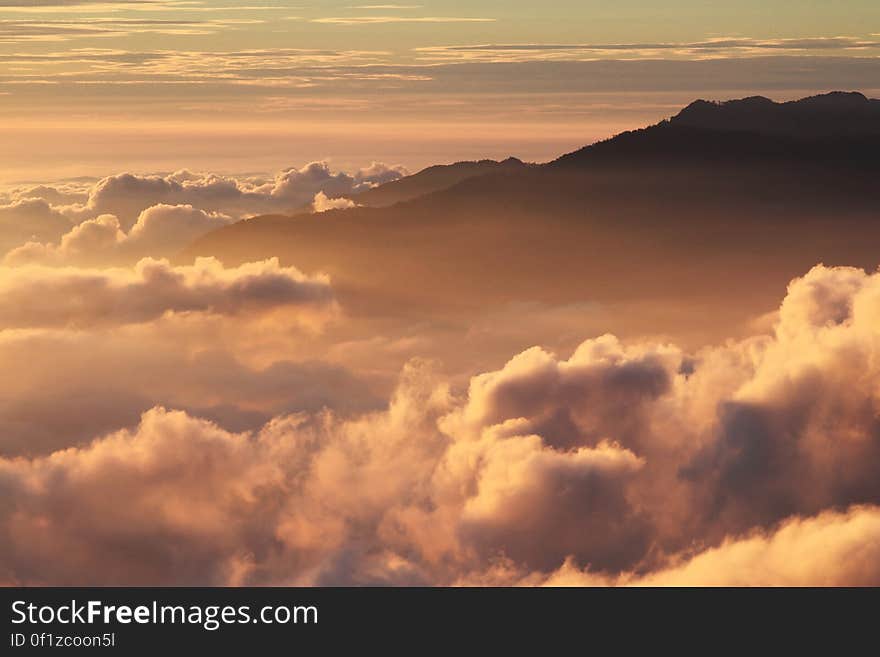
87, 88
607, 376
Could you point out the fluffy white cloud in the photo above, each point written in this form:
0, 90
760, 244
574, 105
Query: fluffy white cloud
127, 216
126, 195
322, 203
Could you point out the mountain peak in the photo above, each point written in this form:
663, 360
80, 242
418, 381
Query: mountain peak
433, 179
836, 98
837, 126
710, 105
832, 114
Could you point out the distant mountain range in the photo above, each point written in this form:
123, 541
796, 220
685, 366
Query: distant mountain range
834, 114
434, 179
837, 128
719, 206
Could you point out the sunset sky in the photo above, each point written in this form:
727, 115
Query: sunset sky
263, 85
246, 340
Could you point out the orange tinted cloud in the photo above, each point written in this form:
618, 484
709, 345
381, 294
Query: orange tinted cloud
624, 464
39, 297
160, 230
834, 548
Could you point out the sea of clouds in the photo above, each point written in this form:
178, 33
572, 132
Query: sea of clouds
169, 424
122, 218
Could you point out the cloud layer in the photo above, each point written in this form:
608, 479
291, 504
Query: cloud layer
122, 218
754, 462
38, 297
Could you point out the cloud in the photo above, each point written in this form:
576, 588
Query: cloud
386, 7
20, 31
274, 510
720, 47
161, 230
578, 400
196, 488
322, 203
29, 219
753, 462
230, 344
55, 195
245, 77
831, 549
164, 226
371, 20
111, 376
40, 297
67, 6
70, 3
287, 67
126, 195
574, 501
122, 218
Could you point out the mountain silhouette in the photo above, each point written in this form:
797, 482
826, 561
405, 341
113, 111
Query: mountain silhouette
676, 226
433, 179
834, 114
838, 129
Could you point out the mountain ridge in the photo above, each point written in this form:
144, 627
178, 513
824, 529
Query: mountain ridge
836, 128
433, 178
629, 220
833, 113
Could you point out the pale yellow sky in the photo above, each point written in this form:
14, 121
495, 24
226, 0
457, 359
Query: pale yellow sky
91, 87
